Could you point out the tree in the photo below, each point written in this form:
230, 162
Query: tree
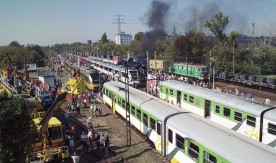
104, 38
14, 44
217, 25
139, 36
16, 129
183, 44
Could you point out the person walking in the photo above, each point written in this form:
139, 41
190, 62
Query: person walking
84, 103
91, 108
78, 108
68, 108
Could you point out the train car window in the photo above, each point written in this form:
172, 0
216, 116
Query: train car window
54, 133
179, 141
119, 101
123, 104
193, 151
109, 94
106, 92
170, 137
167, 91
171, 92
103, 90
226, 112
145, 119
217, 109
251, 121
185, 97
208, 158
271, 128
182, 67
238, 116
132, 110
152, 124
197, 102
139, 114
158, 128
191, 99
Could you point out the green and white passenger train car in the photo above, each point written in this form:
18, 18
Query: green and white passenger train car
182, 136
236, 113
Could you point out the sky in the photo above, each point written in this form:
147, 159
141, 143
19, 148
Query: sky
47, 22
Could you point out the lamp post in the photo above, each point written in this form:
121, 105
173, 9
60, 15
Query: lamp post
147, 71
210, 70
112, 65
155, 62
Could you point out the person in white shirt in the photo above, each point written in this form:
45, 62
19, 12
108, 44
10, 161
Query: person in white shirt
267, 101
84, 139
75, 158
84, 103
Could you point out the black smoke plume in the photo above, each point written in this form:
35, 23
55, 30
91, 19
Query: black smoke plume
156, 17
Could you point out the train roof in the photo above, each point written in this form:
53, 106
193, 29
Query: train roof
222, 98
115, 67
139, 97
223, 141
184, 64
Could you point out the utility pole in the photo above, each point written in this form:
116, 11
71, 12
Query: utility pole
213, 76
119, 21
187, 63
155, 81
147, 71
112, 65
253, 32
233, 57
155, 61
210, 69
128, 124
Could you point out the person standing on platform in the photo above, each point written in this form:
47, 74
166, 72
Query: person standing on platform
75, 158
84, 102
78, 108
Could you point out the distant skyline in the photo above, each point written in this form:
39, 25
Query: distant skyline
67, 21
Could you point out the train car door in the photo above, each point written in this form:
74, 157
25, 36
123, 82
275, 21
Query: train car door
113, 103
178, 98
167, 94
207, 109
160, 139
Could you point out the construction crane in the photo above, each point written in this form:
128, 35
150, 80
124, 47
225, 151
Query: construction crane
50, 150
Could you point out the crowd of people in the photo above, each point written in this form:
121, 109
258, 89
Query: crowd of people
155, 78
89, 135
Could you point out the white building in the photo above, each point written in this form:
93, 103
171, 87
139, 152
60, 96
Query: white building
123, 38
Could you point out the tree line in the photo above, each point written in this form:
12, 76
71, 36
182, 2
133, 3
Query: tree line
194, 47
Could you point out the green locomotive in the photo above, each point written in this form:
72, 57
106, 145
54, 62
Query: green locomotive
199, 72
